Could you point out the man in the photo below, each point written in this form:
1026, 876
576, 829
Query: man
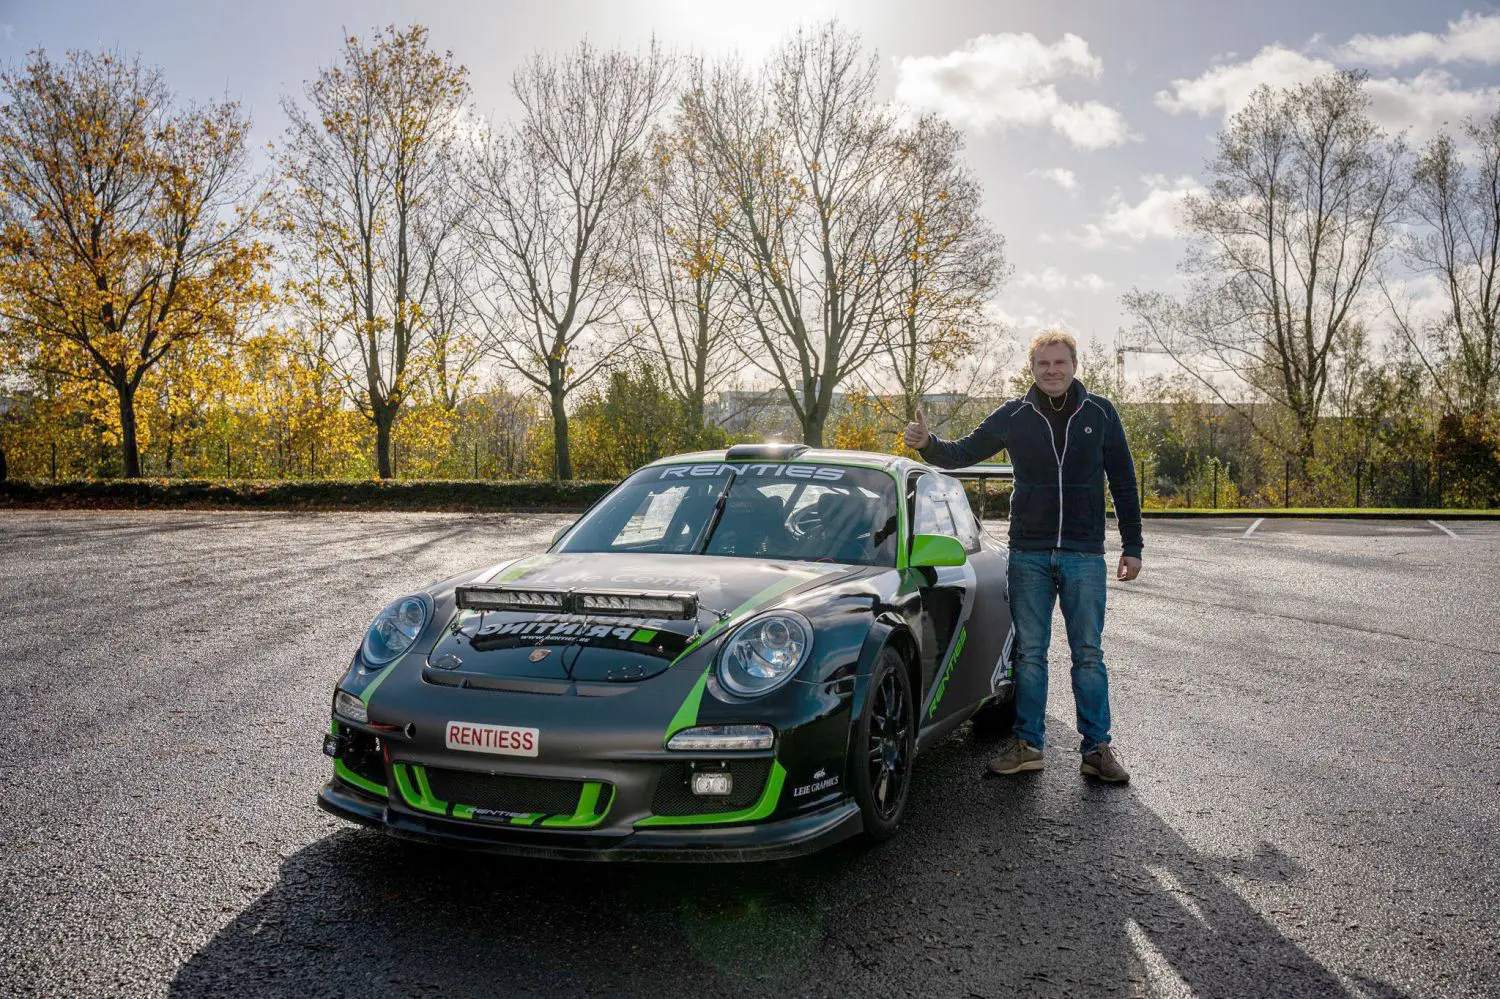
1063, 444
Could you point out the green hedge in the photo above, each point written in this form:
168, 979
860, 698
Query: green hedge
369, 494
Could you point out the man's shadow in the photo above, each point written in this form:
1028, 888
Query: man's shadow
1038, 885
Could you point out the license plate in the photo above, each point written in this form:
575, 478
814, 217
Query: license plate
502, 740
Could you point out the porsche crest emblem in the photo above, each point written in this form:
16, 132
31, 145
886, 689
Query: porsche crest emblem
537, 655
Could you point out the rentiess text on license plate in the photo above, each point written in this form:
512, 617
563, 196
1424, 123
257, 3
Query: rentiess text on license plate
505, 740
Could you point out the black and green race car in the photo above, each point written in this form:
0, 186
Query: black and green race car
733, 655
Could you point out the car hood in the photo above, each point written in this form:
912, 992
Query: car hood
491, 648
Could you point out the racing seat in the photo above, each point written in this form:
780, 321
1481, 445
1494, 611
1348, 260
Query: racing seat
843, 532
746, 528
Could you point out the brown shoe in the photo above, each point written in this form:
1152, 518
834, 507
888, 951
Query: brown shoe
1021, 755
1101, 763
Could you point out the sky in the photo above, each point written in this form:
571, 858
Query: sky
1087, 121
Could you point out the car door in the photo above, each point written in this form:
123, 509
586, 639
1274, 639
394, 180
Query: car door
966, 610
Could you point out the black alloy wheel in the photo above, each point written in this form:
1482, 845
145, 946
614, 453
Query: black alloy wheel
885, 747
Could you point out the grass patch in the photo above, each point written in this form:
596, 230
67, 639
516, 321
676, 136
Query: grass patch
1333, 512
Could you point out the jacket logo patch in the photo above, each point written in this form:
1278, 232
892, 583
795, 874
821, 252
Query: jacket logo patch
1088, 430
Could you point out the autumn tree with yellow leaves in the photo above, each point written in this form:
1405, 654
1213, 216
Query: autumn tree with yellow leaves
126, 225
949, 262
373, 204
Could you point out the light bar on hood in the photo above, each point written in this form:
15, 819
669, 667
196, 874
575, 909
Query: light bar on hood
625, 603
653, 604
505, 598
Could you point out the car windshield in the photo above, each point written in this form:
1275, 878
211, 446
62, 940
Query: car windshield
828, 513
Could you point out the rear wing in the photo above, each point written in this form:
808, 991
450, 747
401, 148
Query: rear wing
983, 473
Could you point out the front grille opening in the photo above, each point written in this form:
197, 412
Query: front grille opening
674, 790
506, 792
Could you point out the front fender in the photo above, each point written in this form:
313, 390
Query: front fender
886, 628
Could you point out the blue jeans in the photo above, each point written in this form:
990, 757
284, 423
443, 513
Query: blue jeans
1076, 580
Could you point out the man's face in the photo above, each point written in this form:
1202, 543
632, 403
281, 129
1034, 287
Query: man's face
1053, 367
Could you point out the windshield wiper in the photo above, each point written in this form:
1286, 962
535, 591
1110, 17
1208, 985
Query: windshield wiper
717, 514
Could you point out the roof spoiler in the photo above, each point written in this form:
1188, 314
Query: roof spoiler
768, 451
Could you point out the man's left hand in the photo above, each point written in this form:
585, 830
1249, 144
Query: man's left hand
1129, 568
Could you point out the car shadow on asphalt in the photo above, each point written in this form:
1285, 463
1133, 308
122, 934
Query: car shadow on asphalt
1041, 885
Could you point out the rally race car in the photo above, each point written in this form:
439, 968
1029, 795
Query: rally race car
733, 655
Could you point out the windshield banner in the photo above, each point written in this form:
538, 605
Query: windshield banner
818, 473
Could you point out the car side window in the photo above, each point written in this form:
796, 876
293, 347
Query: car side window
942, 507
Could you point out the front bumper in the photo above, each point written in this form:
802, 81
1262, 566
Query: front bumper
776, 840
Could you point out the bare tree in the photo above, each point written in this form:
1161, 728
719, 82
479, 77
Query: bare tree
805, 155
560, 187
1457, 211
1303, 192
684, 296
127, 226
372, 192
949, 261
455, 343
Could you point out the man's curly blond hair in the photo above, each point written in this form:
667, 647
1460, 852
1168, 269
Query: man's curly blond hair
1046, 338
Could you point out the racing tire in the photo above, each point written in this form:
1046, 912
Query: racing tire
884, 748
994, 720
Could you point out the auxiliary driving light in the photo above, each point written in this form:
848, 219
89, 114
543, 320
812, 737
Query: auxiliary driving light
712, 785
713, 738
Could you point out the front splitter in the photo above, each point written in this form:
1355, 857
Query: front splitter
793, 837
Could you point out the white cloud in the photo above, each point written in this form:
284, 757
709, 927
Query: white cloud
1061, 176
1007, 81
1053, 280
1228, 87
1472, 38
1428, 103
1421, 105
1156, 216
1032, 316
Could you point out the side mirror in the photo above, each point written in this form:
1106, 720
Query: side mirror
557, 534
936, 549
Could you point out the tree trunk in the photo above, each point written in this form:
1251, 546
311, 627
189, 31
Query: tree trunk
383, 421
695, 416
130, 451
562, 460
812, 425
1307, 439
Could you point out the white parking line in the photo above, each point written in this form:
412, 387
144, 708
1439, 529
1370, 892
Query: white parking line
1251, 529
1443, 529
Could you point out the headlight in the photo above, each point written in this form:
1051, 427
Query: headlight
346, 705
712, 738
763, 654
394, 631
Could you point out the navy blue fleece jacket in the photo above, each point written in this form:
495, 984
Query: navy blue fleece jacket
1059, 491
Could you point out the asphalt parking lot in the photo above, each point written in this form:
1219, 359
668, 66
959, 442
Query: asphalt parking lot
1308, 708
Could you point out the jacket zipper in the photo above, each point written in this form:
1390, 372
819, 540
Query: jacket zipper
1067, 429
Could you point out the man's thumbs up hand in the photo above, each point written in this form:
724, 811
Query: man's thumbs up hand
917, 434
